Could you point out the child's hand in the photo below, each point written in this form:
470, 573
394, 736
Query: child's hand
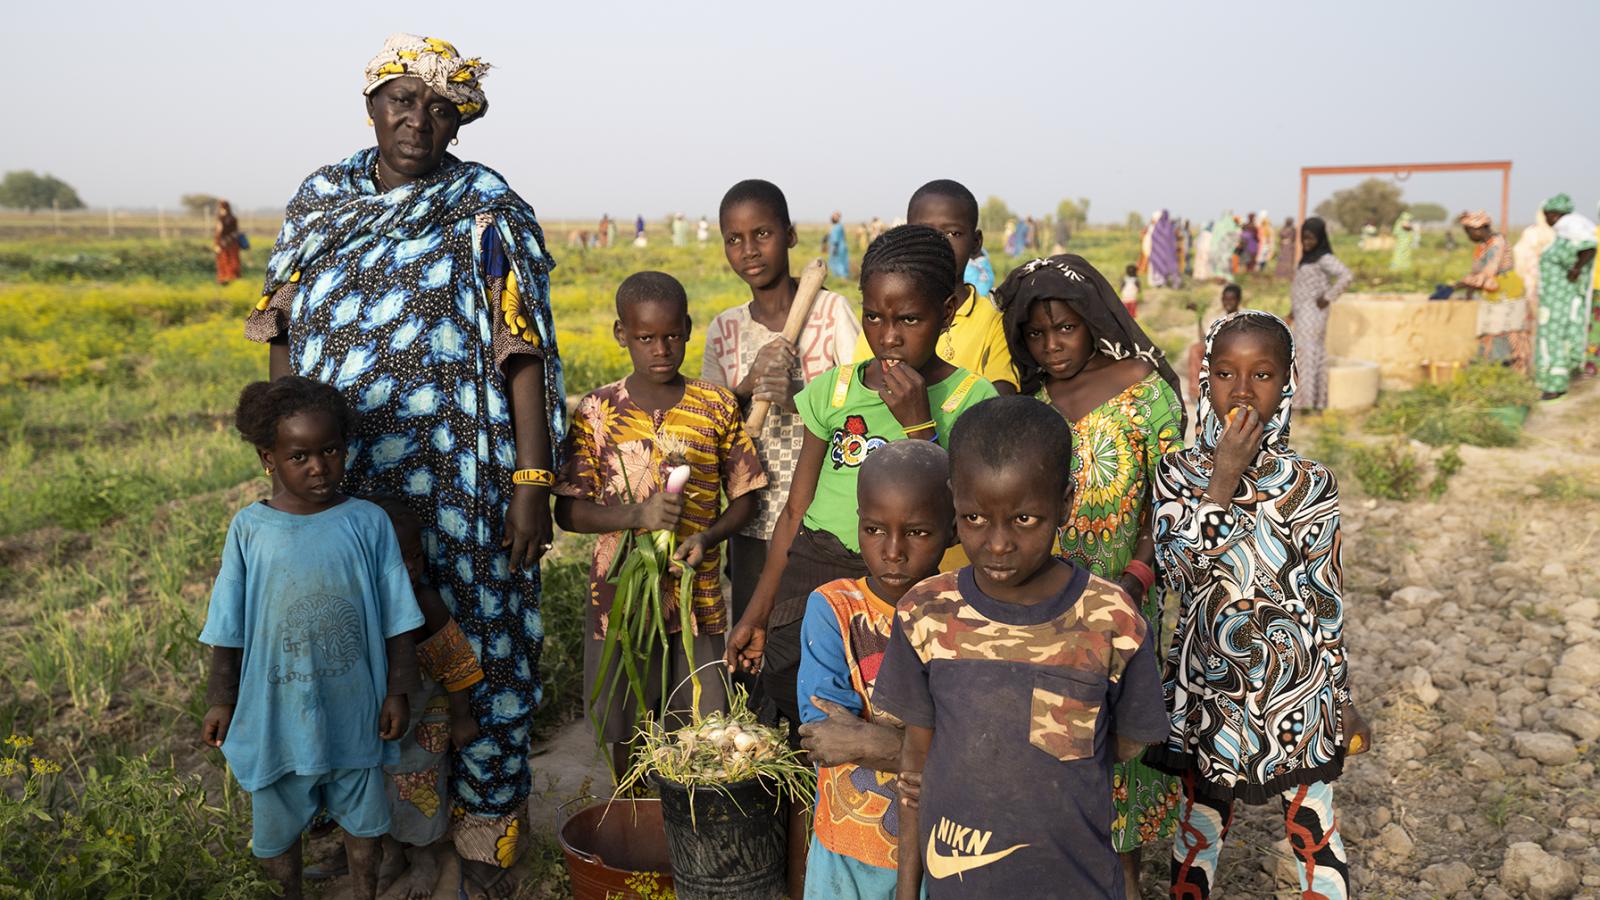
1357, 733
768, 378
214, 728
1237, 449
845, 737
905, 393
909, 785
690, 553
393, 717
746, 643
463, 727
661, 511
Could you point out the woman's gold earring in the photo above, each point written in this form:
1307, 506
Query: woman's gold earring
369, 121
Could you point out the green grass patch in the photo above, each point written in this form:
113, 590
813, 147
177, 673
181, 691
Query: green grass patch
134, 829
1569, 487
1474, 408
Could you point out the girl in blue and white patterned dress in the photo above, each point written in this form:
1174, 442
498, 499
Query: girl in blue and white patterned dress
1247, 533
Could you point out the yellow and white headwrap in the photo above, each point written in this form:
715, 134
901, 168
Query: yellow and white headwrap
439, 66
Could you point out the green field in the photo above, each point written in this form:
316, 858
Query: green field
120, 361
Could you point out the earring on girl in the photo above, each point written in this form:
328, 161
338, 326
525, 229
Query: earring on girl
455, 141
369, 121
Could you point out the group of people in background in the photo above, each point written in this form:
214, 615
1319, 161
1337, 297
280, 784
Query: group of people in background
1222, 249
605, 233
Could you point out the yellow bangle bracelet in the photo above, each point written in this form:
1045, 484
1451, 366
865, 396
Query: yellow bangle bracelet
540, 477
928, 424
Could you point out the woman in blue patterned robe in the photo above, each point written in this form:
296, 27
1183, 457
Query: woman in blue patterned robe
417, 284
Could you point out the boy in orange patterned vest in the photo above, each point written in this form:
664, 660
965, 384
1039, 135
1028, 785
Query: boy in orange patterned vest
906, 523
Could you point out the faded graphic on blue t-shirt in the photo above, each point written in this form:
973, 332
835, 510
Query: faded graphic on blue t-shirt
311, 599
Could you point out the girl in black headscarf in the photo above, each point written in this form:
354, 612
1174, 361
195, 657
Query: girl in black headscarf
1076, 348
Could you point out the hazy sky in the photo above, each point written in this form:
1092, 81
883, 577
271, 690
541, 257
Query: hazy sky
658, 106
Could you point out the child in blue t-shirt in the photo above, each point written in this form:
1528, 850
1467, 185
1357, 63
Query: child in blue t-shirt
310, 627
907, 522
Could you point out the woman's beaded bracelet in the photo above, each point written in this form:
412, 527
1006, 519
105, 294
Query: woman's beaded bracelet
540, 477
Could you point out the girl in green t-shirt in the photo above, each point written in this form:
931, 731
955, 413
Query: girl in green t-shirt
909, 283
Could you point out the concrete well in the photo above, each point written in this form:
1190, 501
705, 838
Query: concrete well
1399, 332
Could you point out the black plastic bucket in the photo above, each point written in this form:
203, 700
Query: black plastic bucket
734, 846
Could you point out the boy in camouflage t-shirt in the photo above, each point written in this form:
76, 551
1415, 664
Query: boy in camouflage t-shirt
1019, 678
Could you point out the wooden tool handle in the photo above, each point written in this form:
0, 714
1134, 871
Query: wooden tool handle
811, 278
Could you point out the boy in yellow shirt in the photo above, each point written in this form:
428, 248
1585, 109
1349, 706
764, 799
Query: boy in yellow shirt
976, 338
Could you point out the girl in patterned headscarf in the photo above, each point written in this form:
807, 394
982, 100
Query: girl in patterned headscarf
1077, 349
417, 284
1247, 534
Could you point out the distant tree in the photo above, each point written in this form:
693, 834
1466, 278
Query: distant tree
1134, 222
1374, 200
1428, 212
993, 216
29, 190
202, 205
1073, 212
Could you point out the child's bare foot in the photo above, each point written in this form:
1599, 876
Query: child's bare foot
393, 865
486, 881
421, 877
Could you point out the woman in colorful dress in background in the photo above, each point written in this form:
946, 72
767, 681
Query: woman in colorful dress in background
225, 243
1565, 294
1492, 276
1202, 253
1525, 259
1225, 246
1318, 281
1406, 238
417, 284
1249, 245
1269, 241
1286, 238
1076, 348
1166, 263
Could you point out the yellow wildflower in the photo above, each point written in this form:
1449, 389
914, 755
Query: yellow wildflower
19, 741
42, 766
9, 767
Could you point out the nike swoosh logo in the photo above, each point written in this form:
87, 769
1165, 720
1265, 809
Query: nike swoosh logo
940, 865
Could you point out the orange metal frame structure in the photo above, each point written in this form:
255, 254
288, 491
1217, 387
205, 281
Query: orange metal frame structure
1406, 171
